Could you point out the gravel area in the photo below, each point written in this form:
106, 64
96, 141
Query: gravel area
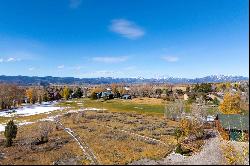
209, 155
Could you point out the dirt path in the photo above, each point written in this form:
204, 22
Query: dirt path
83, 145
141, 137
210, 154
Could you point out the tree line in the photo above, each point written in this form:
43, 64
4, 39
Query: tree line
12, 96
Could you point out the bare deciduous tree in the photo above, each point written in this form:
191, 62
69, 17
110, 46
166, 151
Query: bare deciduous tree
10, 95
174, 110
45, 129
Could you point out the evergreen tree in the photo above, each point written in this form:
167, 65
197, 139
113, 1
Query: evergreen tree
216, 101
10, 132
78, 93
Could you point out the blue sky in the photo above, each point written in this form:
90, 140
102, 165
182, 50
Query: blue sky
124, 38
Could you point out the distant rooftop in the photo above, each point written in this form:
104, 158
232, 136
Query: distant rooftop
234, 121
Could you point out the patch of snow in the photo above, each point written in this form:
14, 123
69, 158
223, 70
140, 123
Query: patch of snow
24, 123
94, 109
2, 126
28, 110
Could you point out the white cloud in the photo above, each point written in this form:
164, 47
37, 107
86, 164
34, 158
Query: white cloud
10, 59
73, 4
170, 58
31, 68
126, 28
110, 59
60, 67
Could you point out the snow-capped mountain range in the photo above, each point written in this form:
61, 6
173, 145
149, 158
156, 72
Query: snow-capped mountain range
26, 80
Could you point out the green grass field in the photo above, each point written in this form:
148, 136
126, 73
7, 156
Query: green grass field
117, 105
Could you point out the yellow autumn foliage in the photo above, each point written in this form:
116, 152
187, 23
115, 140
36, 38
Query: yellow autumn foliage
66, 93
230, 104
97, 90
30, 94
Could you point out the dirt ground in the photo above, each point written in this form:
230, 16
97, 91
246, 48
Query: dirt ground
212, 153
115, 138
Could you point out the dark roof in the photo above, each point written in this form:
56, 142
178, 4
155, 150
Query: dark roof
126, 95
102, 94
234, 121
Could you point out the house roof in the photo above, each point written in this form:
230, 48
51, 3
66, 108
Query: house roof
234, 121
126, 88
105, 93
126, 95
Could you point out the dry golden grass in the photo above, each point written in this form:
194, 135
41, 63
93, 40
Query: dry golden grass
113, 146
44, 154
109, 144
146, 100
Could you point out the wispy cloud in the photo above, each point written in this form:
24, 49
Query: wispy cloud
10, 59
31, 68
170, 58
110, 59
60, 67
73, 4
126, 28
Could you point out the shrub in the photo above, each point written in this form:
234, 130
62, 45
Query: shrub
192, 128
45, 129
182, 150
10, 132
93, 96
216, 101
177, 133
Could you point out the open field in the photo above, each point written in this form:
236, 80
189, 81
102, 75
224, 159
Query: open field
23, 152
140, 105
123, 132
110, 135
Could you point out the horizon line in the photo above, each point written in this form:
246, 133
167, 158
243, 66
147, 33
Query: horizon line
130, 77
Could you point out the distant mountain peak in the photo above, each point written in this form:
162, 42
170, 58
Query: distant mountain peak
26, 80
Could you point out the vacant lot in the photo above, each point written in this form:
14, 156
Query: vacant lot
119, 134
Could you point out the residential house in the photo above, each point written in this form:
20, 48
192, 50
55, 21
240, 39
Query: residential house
126, 97
108, 95
185, 97
233, 126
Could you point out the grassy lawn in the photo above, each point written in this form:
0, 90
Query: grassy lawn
144, 105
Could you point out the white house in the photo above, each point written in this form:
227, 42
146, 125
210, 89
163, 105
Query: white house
185, 96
